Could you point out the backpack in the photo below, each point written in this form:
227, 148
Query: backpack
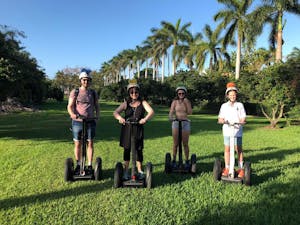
89, 90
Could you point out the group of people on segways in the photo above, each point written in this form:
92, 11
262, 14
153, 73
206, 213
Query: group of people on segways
84, 111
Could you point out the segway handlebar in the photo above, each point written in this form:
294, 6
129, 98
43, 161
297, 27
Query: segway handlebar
78, 116
233, 124
132, 122
172, 120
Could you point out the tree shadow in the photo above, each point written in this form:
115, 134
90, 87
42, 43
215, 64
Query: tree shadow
278, 203
97, 186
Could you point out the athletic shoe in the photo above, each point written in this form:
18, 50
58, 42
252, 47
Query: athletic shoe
187, 165
225, 172
77, 170
174, 165
141, 175
126, 175
90, 169
241, 173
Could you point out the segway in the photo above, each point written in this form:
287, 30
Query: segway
134, 181
180, 167
84, 173
232, 176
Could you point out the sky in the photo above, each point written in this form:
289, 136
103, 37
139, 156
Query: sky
86, 33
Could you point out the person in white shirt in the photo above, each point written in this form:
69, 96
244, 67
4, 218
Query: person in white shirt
232, 112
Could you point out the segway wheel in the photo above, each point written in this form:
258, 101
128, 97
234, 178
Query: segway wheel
247, 177
148, 183
69, 170
193, 164
98, 169
217, 170
118, 175
168, 163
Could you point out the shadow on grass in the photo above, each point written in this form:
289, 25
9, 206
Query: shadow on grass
277, 204
97, 186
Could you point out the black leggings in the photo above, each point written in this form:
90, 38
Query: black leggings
139, 154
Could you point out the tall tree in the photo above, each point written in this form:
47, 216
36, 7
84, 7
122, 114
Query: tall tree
236, 19
176, 34
272, 12
209, 47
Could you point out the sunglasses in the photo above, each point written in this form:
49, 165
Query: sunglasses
86, 80
134, 92
181, 93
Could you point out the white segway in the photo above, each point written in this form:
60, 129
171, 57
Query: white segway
232, 176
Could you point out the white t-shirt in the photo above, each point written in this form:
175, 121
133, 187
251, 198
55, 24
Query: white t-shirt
232, 114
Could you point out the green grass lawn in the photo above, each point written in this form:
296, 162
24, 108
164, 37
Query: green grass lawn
34, 146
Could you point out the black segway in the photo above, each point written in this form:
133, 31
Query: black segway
180, 168
232, 176
134, 181
84, 173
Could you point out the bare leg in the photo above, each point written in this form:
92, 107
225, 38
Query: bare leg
77, 150
185, 141
139, 166
90, 151
175, 142
227, 155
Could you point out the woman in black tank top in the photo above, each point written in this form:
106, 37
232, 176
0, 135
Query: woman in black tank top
134, 109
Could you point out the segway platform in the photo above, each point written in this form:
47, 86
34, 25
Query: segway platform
134, 182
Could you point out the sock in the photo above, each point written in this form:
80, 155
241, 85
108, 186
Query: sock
227, 166
90, 163
241, 164
78, 162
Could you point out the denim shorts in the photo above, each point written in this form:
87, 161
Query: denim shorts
237, 141
186, 125
77, 130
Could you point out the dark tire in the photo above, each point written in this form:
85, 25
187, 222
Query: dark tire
217, 169
193, 164
69, 170
168, 163
247, 177
148, 183
98, 169
118, 175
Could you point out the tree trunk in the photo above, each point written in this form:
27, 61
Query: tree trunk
238, 59
163, 68
279, 39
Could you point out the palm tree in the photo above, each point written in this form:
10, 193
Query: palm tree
160, 44
234, 16
175, 35
200, 50
272, 12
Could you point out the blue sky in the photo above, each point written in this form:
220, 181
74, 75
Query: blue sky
86, 33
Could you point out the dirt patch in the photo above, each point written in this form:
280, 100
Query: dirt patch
13, 105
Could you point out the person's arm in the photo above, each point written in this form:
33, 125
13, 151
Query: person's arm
117, 113
188, 106
172, 110
221, 117
70, 107
150, 112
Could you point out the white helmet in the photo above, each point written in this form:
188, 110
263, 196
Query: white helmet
230, 87
133, 85
181, 88
85, 73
